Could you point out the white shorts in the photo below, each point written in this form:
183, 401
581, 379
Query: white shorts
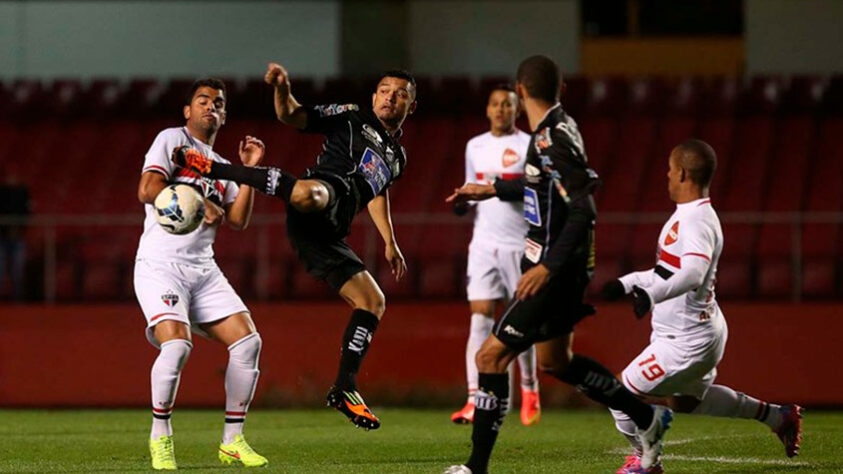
189, 294
493, 272
667, 367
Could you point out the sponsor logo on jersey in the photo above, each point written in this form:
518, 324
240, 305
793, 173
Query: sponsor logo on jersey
510, 157
531, 207
334, 109
372, 135
543, 140
374, 170
672, 234
170, 298
533, 174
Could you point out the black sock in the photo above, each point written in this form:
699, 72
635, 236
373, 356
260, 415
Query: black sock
596, 382
271, 181
355, 342
490, 402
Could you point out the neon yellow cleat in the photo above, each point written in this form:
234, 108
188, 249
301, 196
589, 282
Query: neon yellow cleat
162, 454
239, 452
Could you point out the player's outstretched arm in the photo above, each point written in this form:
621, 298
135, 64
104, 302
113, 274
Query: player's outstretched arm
287, 108
251, 152
379, 211
471, 192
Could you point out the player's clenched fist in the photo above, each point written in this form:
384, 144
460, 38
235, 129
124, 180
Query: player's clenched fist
276, 75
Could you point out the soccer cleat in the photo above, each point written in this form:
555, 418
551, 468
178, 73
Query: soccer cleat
633, 461
191, 159
789, 430
162, 454
238, 452
351, 404
465, 415
651, 438
655, 469
458, 469
531, 409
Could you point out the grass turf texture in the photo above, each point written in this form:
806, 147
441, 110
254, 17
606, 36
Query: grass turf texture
321, 441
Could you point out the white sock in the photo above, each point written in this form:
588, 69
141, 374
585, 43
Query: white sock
723, 401
241, 378
481, 327
527, 367
627, 427
164, 379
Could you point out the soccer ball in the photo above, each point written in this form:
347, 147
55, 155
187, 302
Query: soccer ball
179, 209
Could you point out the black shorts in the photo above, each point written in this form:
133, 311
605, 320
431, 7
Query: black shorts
319, 241
552, 312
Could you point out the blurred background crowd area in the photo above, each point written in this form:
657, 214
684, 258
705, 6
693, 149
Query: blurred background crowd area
86, 86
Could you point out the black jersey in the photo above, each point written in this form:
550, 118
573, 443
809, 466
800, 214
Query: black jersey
557, 190
359, 156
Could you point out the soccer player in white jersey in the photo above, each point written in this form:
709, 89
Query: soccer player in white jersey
689, 335
497, 244
179, 286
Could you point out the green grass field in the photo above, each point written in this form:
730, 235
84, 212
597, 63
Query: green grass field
321, 441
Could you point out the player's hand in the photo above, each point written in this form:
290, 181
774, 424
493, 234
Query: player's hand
251, 151
532, 281
613, 290
396, 260
642, 302
277, 77
471, 192
214, 215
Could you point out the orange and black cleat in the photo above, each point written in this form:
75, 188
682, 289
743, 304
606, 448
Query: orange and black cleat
190, 158
351, 404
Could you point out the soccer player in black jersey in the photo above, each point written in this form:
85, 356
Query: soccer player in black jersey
361, 158
557, 266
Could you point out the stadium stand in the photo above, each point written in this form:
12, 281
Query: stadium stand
775, 139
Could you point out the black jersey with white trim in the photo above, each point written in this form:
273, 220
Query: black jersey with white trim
557, 191
358, 154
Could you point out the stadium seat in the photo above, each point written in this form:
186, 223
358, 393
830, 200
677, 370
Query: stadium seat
803, 95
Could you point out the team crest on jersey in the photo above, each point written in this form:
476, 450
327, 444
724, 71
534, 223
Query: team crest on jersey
170, 298
510, 157
372, 135
672, 235
543, 140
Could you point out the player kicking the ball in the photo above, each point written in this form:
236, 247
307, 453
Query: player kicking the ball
558, 263
497, 244
689, 331
179, 286
361, 159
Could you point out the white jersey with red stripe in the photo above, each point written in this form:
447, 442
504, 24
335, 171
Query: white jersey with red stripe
195, 248
681, 285
489, 157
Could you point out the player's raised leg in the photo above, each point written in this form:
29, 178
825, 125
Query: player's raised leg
784, 420
174, 339
244, 344
368, 303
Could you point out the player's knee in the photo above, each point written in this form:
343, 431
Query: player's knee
246, 349
373, 302
489, 360
484, 307
683, 404
309, 197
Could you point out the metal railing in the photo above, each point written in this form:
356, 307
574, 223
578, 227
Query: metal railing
103, 225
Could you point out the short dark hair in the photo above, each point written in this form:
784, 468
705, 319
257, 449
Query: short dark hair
699, 160
501, 86
400, 74
211, 82
540, 76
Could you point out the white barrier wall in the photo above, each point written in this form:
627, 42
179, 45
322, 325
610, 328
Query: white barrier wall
173, 38
794, 36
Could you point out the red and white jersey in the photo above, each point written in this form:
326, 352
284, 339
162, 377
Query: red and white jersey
195, 248
487, 158
681, 284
